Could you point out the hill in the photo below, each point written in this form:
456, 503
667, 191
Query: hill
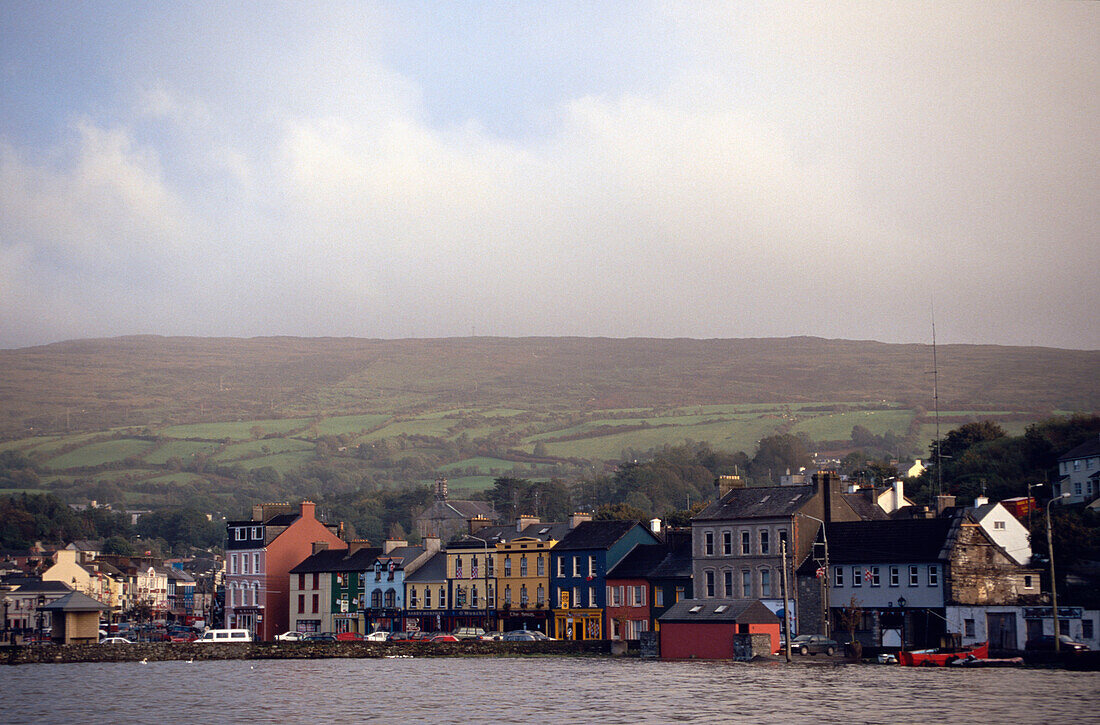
89, 385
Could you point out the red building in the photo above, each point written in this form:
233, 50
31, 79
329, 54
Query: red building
705, 628
260, 552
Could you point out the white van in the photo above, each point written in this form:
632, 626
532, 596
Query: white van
225, 636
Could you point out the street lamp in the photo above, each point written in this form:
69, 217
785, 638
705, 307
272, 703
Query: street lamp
825, 596
901, 604
485, 576
7, 623
1029, 487
1053, 584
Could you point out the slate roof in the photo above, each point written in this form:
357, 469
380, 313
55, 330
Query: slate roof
639, 562
401, 556
677, 562
595, 535
893, 541
743, 611
433, 570
75, 602
31, 584
555, 531
865, 508
1087, 449
337, 560
759, 502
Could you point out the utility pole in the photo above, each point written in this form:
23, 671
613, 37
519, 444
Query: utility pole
1053, 583
786, 604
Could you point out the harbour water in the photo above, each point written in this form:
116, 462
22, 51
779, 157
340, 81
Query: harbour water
538, 690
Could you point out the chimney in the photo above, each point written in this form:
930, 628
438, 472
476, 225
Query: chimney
320, 546
476, 524
390, 544
899, 494
853, 487
725, 484
980, 501
441, 488
258, 513
830, 486
943, 502
309, 510
432, 544
524, 521
655, 526
356, 544
578, 518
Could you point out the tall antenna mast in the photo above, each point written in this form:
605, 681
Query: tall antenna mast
936, 402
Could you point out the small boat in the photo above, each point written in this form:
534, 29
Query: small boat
941, 657
972, 661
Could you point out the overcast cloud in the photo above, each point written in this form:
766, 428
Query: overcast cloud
401, 170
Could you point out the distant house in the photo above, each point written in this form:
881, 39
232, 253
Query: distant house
629, 592
326, 589
384, 586
446, 518
1003, 528
705, 628
1080, 471
426, 595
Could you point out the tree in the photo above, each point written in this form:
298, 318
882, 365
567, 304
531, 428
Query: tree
619, 512
775, 454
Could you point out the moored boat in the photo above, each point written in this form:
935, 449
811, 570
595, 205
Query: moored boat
941, 657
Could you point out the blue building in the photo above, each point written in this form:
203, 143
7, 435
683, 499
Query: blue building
578, 571
384, 583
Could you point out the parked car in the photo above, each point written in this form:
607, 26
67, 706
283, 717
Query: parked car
183, 637
492, 637
115, 640
290, 637
350, 637
423, 636
225, 636
444, 637
1045, 643
521, 635
320, 637
377, 637
812, 644
403, 636
468, 632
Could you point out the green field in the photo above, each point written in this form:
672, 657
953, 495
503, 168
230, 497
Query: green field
183, 450
838, 426
241, 430
177, 478
345, 424
726, 436
96, 454
281, 462
481, 463
265, 447
426, 426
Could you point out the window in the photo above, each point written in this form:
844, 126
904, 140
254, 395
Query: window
727, 543
591, 566
765, 583
727, 583
232, 563
489, 561
708, 543
577, 597
523, 565
391, 599
576, 566
614, 596
473, 596
933, 575
301, 581
473, 567
658, 596
592, 596
763, 542
540, 566
442, 597
1027, 581
239, 534
458, 567
968, 627
507, 566
244, 563
999, 525
1077, 488
875, 580
257, 533
523, 595
746, 584
746, 543
375, 599
427, 597
540, 595
895, 576
256, 563
639, 596
1063, 626
679, 594
783, 537
301, 603
561, 566
838, 576
315, 603
1086, 628
710, 583
412, 597
316, 581
857, 577
1077, 465
914, 578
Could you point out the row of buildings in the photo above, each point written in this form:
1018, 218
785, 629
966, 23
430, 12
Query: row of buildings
833, 558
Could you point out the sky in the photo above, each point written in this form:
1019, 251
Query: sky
412, 169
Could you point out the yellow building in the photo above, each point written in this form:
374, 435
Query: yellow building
471, 575
426, 596
523, 580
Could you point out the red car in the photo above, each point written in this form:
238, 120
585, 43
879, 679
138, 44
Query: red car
444, 638
349, 637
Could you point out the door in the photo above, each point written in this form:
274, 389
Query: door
1002, 630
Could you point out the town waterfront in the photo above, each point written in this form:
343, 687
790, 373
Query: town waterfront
540, 689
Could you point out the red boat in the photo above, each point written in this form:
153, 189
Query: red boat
941, 657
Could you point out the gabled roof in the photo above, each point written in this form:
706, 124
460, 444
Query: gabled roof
639, 562
595, 535
554, 531
400, 556
24, 585
757, 503
895, 541
1089, 448
742, 611
333, 560
433, 570
677, 561
865, 508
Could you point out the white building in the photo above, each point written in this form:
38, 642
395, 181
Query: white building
1080, 471
1004, 529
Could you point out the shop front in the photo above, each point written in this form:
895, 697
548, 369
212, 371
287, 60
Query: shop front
530, 619
578, 624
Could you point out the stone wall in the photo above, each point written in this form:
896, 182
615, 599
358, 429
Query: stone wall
161, 651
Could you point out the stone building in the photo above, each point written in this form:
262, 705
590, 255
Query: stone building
447, 518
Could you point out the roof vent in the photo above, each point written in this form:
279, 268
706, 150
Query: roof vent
721, 608
696, 609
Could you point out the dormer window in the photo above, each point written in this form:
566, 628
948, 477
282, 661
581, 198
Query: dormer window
257, 533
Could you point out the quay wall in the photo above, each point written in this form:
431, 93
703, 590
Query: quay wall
162, 651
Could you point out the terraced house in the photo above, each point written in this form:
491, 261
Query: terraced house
384, 585
326, 589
